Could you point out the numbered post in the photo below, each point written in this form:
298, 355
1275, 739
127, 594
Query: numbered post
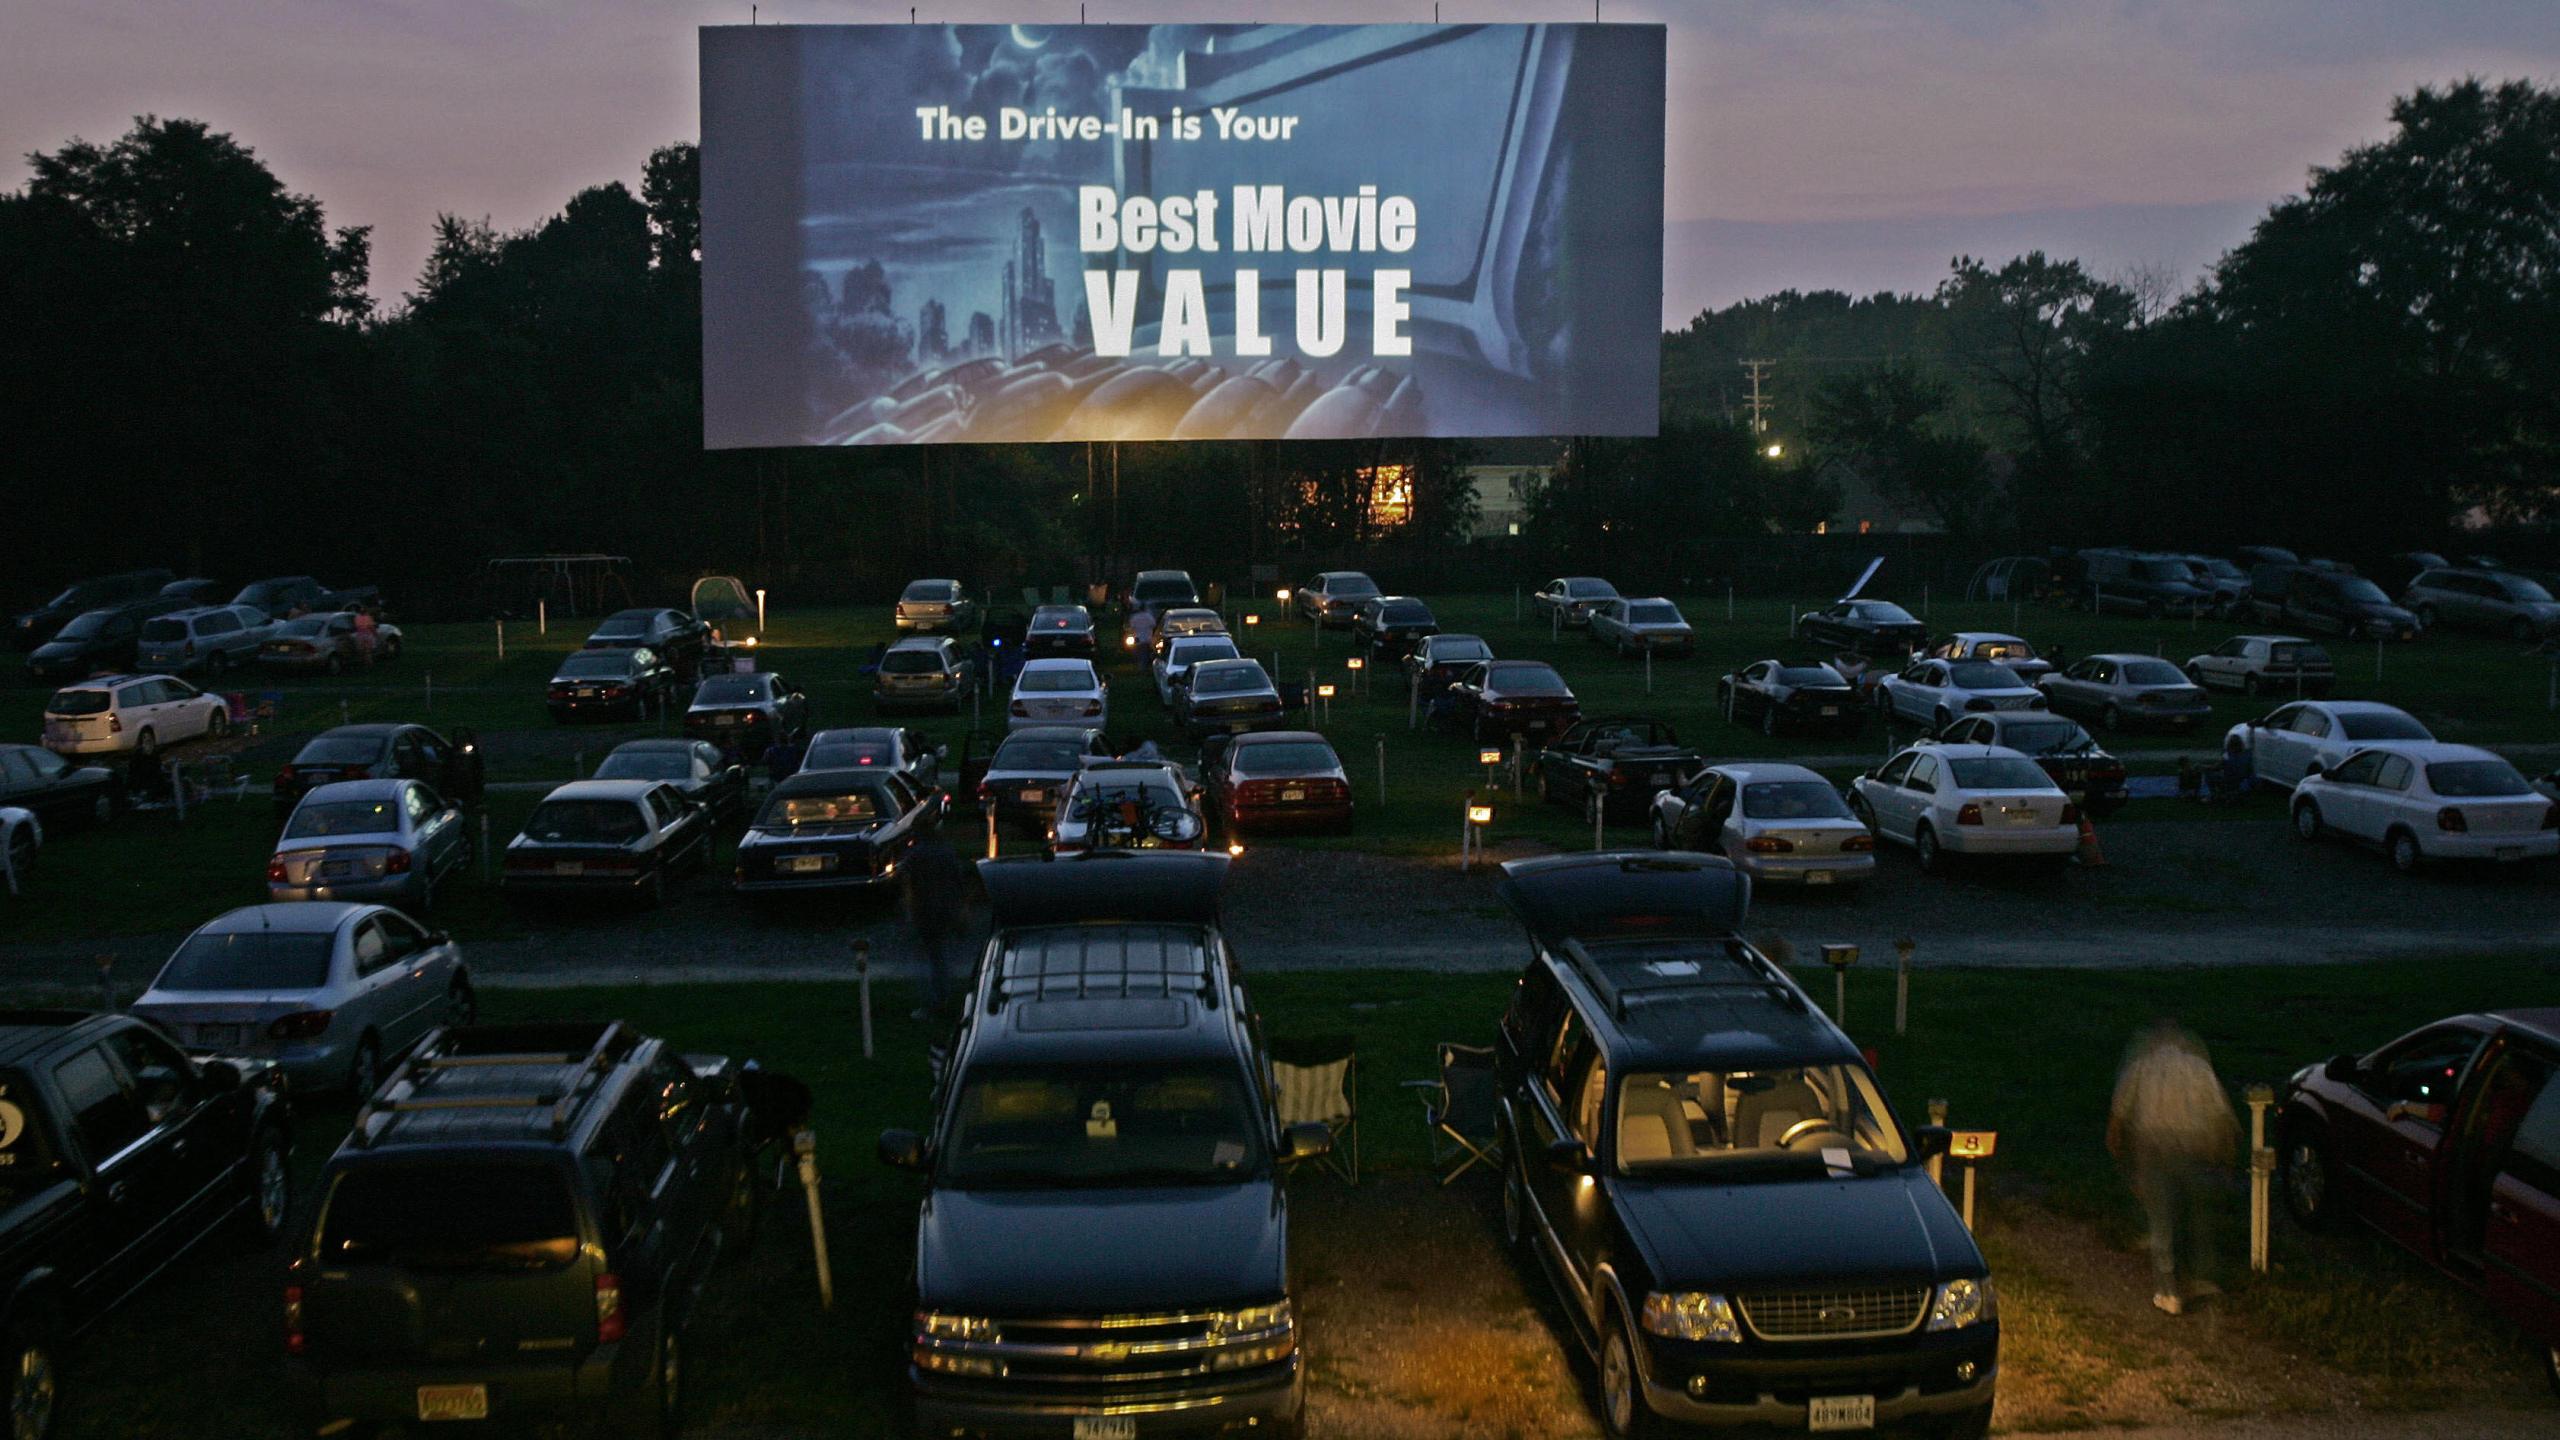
1840, 958
2262, 1172
1902, 949
804, 1147
862, 977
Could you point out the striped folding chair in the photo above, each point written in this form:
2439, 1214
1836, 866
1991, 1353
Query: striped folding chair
1316, 1080
1461, 1109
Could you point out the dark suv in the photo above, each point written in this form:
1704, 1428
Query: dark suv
1103, 1247
1741, 1231
516, 1230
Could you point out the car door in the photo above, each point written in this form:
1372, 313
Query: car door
1887, 801
373, 999
2388, 800
410, 757
134, 1181
1918, 797
2389, 1132
1556, 1092
435, 829
187, 1126
2347, 799
2277, 750
2520, 1237
418, 972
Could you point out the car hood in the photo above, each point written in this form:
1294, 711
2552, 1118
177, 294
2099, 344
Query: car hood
53, 650
1101, 1251
1709, 1236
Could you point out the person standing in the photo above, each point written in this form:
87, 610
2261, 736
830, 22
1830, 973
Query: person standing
933, 882
2172, 1128
782, 758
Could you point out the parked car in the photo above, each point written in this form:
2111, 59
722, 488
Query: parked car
877, 747
695, 767
211, 638
1502, 698
1569, 598
195, 590
935, 605
1104, 1161
1798, 695
329, 993
1931, 693
2140, 583
391, 841
678, 639
1868, 627
1277, 780
31, 628
131, 714
2396, 571
1173, 663
2424, 801
1030, 770
517, 1230
1226, 696
2341, 604
633, 684
125, 1153
2122, 691
383, 752
1439, 659
2446, 1140
924, 673
1059, 631
2226, 586
1387, 628
59, 793
1631, 627
2019, 657
1059, 692
98, 642
1128, 805
331, 642
834, 830
2496, 601
1623, 760
616, 838
1741, 1231
1967, 800
1182, 621
21, 838
2094, 779
749, 712
1777, 823
1333, 597
2291, 741
1162, 587
288, 596
2265, 664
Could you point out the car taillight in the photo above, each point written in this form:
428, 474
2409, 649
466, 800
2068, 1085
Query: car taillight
986, 793
1969, 815
284, 777
1093, 707
115, 724
275, 867
294, 1343
190, 650
1020, 708
2450, 820
2070, 813
1769, 845
396, 863
1617, 777
611, 1324
301, 1025
1856, 843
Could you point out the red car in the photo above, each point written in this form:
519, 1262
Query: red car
2447, 1140
1277, 779
1502, 698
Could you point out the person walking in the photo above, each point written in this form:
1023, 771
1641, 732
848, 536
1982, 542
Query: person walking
2172, 1128
934, 878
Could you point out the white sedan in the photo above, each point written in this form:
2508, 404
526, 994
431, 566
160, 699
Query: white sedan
1966, 800
2425, 800
1932, 693
1059, 692
1173, 667
2291, 741
1775, 822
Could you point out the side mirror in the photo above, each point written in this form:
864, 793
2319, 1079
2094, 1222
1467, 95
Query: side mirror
2343, 1069
1932, 1139
737, 772
1310, 1141
220, 1076
1568, 1156
902, 1149
439, 937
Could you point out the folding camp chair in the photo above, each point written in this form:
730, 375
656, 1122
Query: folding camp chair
1315, 1080
1459, 1107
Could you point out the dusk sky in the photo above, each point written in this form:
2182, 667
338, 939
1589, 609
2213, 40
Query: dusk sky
1849, 144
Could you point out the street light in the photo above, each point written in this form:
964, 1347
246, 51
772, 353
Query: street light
1775, 450
1479, 814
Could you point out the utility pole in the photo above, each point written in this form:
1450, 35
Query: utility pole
1759, 401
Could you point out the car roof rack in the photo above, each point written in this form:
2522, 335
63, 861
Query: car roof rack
570, 1078
1104, 962
1680, 971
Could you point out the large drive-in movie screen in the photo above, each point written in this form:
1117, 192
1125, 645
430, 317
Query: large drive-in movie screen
927, 234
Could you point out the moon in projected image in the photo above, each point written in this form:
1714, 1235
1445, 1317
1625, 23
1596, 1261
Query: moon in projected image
1030, 37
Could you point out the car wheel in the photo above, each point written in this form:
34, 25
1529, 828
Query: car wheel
102, 809
364, 1072
2249, 684
2305, 1176
667, 1384
217, 722
270, 1188
1769, 719
1623, 1415
1924, 843
461, 1004
1515, 1203
2405, 855
32, 1392
2195, 676
2111, 718
2306, 820
147, 744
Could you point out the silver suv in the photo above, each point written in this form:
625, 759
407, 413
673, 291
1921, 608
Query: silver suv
2493, 600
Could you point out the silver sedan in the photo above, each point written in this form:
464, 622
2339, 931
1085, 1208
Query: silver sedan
331, 992
1775, 822
393, 841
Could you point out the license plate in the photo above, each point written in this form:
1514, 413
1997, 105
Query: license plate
724, 719
1293, 795
1830, 710
335, 869
569, 867
1106, 1427
219, 1034
1034, 797
1537, 725
1657, 779
805, 864
1817, 877
2022, 817
1841, 1412
586, 692
460, 1402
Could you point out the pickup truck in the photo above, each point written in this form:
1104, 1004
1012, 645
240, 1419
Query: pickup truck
286, 595
1624, 761
118, 1152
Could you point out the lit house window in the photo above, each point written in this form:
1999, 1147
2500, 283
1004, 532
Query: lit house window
1390, 495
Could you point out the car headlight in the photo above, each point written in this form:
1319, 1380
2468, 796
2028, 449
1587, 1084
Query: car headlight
1253, 1320
1962, 1303
934, 1325
1692, 1315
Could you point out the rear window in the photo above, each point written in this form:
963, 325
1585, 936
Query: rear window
927, 590
2372, 725
1056, 681
1060, 755
1999, 772
1345, 586
249, 960
1162, 588
621, 627
2039, 736
1793, 800
1809, 675
84, 626
645, 765
2297, 655
846, 755
585, 822
163, 630
2475, 779
451, 1216
1982, 675
2152, 672
1885, 612
1405, 612
2523, 591
2357, 591
340, 750
1228, 679
1526, 680
1445, 649
1192, 652
1653, 615
595, 666
79, 702
1589, 589
1289, 757
343, 817
911, 662
305, 627
848, 807
732, 690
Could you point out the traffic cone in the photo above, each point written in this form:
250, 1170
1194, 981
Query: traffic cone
2090, 856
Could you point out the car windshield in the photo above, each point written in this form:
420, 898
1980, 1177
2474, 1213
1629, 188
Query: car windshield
2523, 591
585, 822
1102, 1125
343, 817
733, 690
453, 1215
1809, 675
1653, 615
1192, 652
1445, 649
1037, 754
249, 960
79, 702
1793, 800
1885, 612
2475, 779
1404, 612
1999, 772
2152, 672
1982, 675
340, 750
1228, 679
2043, 737
621, 627
163, 630
1164, 587
645, 765
1344, 587
84, 626
1286, 757
848, 755
2382, 725
1526, 680
911, 662
1781, 1118
580, 667
858, 805
926, 590
2358, 590
1063, 680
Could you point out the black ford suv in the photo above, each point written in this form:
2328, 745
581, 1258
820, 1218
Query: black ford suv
516, 1230
1741, 1231
1103, 1247
118, 1152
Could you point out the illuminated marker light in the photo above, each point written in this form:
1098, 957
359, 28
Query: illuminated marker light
1479, 814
